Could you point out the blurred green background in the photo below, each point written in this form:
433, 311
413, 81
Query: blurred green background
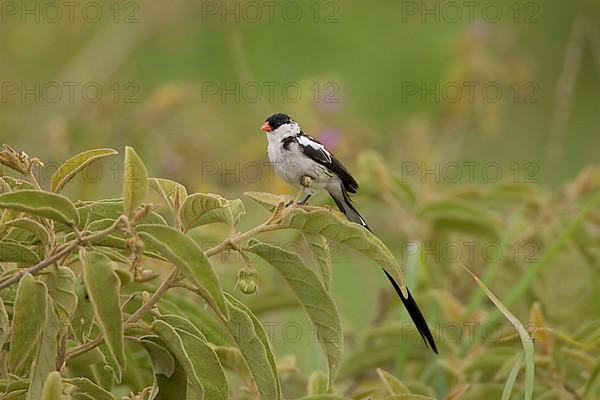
178, 82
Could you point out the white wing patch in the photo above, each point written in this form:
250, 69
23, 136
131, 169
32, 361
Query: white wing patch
306, 141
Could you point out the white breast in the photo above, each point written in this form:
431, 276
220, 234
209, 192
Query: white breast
292, 165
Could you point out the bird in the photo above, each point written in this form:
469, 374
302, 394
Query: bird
305, 163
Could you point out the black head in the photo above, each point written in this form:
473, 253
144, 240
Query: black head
276, 120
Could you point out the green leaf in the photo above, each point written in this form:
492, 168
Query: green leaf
4, 187
17, 184
512, 378
15, 252
32, 226
173, 387
409, 397
41, 204
103, 285
28, 322
110, 210
182, 324
318, 383
325, 397
52, 389
313, 296
89, 388
163, 362
135, 181
168, 190
319, 247
45, 362
392, 384
251, 339
199, 361
61, 288
205, 208
74, 165
232, 359
335, 227
4, 324
456, 215
523, 335
185, 254
267, 200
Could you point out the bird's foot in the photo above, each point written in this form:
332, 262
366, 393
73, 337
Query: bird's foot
289, 203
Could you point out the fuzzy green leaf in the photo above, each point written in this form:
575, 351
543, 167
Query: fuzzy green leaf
32, 226
200, 362
110, 210
41, 204
74, 165
4, 324
186, 255
313, 296
45, 361
52, 389
251, 339
168, 190
103, 288
173, 387
17, 184
318, 383
267, 200
335, 227
28, 322
163, 362
4, 187
83, 386
205, 208
61, 288
392, 384
319, 247
135, 181
16, 252
232, 359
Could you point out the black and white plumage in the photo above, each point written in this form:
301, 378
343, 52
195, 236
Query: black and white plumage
297, 156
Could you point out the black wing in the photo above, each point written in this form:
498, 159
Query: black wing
315, 150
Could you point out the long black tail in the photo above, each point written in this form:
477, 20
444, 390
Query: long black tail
345, 205
415, 314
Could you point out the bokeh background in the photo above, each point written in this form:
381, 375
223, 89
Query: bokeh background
188, 83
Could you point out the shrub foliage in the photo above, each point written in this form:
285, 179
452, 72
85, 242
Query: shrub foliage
73, 305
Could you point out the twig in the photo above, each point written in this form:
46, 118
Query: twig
167, 284
147, 306
229, 243
65, 251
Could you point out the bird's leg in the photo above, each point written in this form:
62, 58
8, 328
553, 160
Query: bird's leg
303, 202
305, 181
297, 198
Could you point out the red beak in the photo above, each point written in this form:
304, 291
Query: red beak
266, 127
